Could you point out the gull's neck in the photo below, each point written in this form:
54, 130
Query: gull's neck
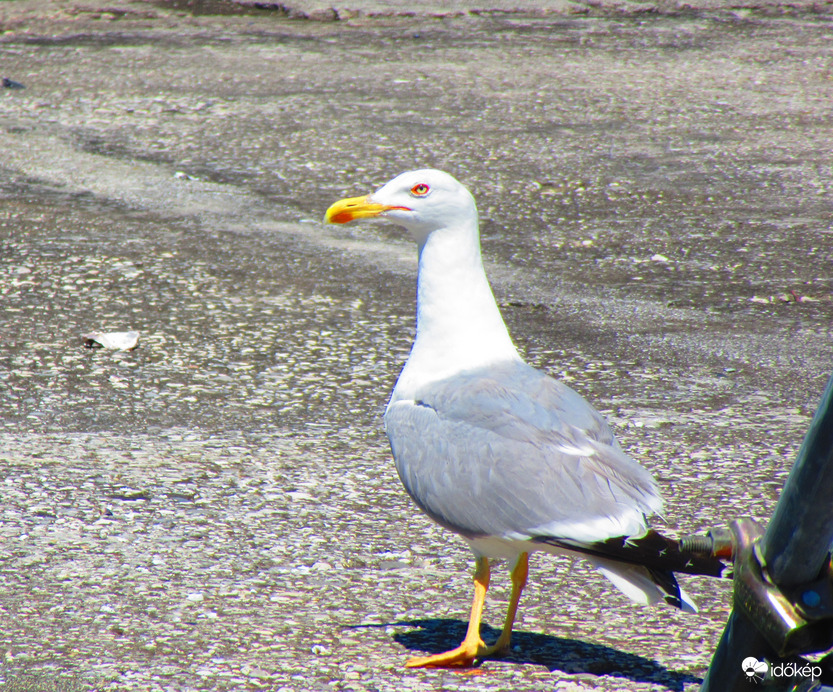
459, 326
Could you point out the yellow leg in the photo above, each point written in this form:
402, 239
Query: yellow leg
519, 574
472, 646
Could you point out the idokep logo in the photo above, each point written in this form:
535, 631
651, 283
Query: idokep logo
754, 669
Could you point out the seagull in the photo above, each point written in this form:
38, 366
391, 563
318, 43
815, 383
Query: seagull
495, 450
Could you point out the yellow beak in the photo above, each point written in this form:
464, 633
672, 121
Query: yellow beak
352, 208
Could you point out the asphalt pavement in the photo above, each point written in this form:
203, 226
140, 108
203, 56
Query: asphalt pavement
217, 509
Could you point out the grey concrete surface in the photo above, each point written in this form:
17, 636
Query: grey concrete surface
217, 509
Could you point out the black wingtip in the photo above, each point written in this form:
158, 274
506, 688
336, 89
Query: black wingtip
667, 582
652, 550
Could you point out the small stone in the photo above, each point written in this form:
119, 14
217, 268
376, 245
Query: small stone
117, 341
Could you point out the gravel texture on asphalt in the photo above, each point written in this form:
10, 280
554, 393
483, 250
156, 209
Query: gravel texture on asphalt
217, 509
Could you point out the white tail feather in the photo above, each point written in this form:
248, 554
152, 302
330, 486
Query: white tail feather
637, 583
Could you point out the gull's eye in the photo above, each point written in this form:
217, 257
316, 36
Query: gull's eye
420, 190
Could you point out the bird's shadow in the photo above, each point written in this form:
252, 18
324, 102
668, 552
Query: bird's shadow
570, 656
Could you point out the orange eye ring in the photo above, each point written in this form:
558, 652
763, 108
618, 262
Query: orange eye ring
420, 190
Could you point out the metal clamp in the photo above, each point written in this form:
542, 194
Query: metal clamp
794, 620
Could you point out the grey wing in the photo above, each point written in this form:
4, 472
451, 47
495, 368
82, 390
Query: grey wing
511, 452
